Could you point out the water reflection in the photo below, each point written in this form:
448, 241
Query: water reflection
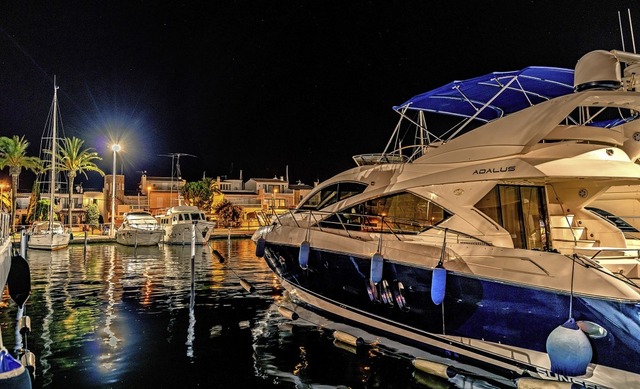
121, 317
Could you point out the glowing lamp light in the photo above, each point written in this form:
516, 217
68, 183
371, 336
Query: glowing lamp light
115, 148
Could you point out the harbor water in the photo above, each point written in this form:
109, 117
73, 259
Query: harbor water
111, 316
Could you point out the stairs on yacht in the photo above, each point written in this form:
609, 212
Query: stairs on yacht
565, 235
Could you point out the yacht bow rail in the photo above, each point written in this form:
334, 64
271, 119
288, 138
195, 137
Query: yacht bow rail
359, 226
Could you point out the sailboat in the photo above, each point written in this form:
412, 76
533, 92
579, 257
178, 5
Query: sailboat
50, 234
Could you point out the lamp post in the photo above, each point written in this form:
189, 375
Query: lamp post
1, 196
115, 149
149, 198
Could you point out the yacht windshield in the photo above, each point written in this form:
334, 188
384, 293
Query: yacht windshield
332, 194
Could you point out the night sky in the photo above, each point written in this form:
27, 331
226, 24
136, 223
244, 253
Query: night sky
259, 85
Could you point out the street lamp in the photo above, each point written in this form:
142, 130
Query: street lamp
149, 198
1, 196
115, 149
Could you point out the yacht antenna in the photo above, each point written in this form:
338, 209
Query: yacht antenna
633, 41
621, 34
175, 157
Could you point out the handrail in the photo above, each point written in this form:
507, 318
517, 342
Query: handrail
351, 222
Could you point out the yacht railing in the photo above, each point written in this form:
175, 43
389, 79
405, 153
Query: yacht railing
357, 226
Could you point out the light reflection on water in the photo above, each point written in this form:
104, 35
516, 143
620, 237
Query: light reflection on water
123, 317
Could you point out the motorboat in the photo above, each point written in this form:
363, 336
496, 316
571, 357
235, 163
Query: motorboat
14, 273
51, 234
139, 228
470, 235
184, 223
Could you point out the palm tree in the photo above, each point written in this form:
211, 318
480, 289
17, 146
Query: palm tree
13, 154
73, 159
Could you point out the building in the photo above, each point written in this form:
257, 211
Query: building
156, 194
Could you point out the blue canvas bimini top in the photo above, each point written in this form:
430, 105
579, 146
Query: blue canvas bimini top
466, 98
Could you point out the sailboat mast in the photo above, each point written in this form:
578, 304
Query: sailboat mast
54, 142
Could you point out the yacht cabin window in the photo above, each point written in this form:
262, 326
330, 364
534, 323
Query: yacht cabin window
332, 194
401, 212
521, 210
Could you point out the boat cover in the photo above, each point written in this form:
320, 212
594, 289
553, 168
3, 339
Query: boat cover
531, 86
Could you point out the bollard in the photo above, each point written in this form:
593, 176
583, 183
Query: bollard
23, 243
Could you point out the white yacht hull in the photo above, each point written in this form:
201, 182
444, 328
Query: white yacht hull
5, 260
139, 237
184, 233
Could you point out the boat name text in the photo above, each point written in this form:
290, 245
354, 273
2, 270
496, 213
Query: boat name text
561, 378
501, 169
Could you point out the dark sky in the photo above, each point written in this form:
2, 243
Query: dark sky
259, 85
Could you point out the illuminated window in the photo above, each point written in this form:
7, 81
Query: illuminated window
401, 212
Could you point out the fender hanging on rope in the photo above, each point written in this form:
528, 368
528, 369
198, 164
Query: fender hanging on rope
19, 280
568, 347
303, 256
12, 373
219, 256
377, 264
260, 245
439, 276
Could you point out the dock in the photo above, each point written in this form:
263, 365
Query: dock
79, 236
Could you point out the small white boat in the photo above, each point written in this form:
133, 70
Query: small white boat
50, 235
139, 229
180, 223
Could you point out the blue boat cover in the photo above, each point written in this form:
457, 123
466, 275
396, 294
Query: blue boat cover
531, 86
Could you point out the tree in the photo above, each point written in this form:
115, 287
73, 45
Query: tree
41, 211
13, 154
197, 194
228, 213
73, 159
33, 202
93, 216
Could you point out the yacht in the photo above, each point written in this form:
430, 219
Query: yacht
474, 238
139, 228
183, 223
